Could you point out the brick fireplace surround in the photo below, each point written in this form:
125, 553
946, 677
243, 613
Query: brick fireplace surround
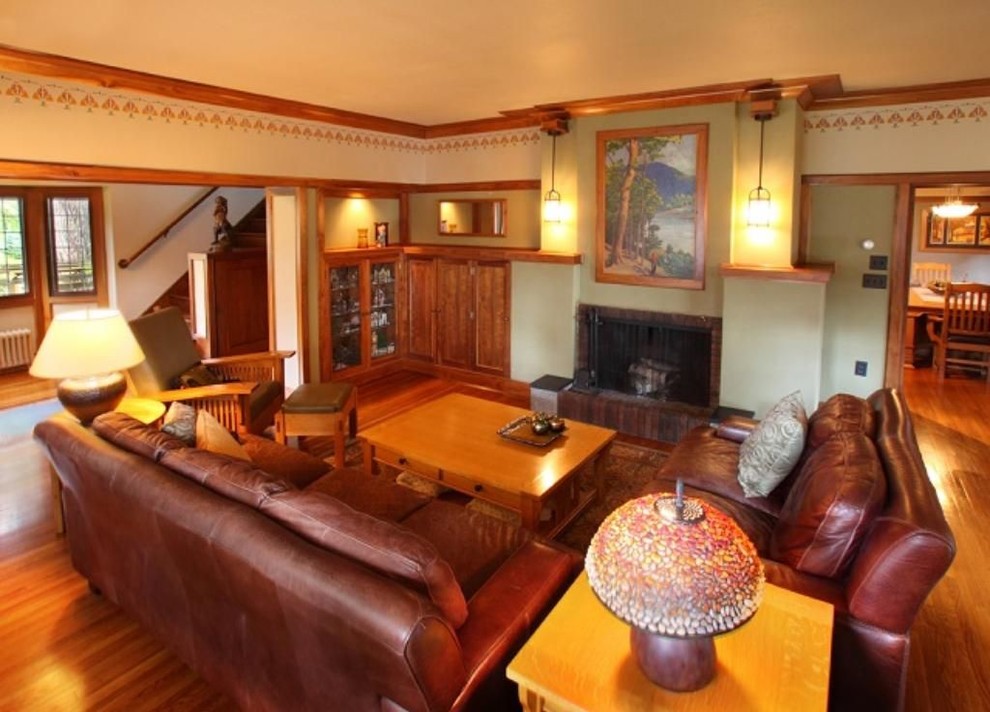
659, 416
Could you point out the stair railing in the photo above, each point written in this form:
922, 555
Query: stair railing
124, 263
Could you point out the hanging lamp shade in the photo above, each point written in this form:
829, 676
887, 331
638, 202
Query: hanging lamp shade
551, 201
759, 209
954, 207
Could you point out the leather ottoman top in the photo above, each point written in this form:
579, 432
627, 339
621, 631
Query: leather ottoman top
318, 398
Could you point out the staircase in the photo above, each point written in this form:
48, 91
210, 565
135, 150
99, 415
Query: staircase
250, 233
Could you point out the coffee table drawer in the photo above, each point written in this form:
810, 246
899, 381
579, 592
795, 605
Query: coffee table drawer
477, 489
399, 461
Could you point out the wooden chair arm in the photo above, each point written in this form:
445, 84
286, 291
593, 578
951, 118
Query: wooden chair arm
220, 390
248, 358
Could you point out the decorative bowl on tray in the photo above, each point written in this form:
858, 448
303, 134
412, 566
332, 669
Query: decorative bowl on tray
538, 429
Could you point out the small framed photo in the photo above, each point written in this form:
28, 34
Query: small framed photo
381, 234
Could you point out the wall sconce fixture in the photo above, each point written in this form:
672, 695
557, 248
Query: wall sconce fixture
954, 207
553, 127
758, 210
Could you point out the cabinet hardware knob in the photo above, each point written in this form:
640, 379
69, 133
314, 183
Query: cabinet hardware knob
403, 461
478, 488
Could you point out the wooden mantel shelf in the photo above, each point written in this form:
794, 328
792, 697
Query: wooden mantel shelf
468, 252
820, 273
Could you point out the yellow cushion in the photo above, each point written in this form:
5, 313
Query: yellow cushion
212, 436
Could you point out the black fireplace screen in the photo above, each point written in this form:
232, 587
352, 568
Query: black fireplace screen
659, 361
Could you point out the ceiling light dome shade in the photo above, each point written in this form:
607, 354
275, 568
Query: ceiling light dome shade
954, 209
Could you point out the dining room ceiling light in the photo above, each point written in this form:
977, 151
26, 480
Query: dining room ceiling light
954, 207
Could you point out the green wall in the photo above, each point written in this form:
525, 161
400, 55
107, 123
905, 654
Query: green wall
855, 317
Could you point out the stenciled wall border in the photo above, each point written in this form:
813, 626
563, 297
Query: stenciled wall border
893, 117
132, 105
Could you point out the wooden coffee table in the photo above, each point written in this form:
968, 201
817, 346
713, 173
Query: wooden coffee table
579, 659
454, 441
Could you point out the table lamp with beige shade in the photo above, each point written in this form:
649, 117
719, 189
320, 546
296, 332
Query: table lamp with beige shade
88, 349
679, 572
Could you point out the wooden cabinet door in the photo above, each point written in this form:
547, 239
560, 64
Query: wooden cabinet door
239, 295
456, 315
421, 327
492, 310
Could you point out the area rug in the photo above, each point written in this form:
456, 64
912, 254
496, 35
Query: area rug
626, 469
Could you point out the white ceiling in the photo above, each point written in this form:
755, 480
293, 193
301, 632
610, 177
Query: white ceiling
439, 61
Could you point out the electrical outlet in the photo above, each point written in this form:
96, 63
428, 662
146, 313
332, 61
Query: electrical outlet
878, 262
860, 368
874, 281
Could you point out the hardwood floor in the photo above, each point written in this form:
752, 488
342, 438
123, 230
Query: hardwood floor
65, 649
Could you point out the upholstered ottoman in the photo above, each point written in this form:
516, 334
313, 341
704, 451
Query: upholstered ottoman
320, 409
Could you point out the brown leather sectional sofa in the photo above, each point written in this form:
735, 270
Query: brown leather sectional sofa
857, 523
289, 589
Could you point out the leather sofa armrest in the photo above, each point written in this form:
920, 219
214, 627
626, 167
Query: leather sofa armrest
507, 609
736, 428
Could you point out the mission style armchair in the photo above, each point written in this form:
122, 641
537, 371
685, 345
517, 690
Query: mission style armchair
242, 392
962, 333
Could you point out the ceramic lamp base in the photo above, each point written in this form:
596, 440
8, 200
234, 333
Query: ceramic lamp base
678, 664
87, 397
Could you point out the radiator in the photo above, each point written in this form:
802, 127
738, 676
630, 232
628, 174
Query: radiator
16, 348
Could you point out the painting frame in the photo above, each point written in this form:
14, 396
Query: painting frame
662, 237
967, 234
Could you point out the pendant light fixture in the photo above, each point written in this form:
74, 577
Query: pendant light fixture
759, 208
954, 207
551, 201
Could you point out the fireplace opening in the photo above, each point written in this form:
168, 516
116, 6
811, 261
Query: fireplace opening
653, 355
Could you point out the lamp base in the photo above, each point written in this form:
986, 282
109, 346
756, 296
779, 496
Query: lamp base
87, 397
678, 664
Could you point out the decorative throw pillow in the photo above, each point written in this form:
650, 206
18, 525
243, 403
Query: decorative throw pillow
180, 421
212, 436
198, 375
770, 452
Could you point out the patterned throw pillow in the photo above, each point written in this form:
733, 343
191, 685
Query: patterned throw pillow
198, 375
770, 452
180, 421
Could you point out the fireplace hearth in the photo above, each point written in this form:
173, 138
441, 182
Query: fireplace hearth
649, 374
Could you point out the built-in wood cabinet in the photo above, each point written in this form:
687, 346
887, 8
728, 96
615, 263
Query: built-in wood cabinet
421, 326
458, 313
229, 301
360, 295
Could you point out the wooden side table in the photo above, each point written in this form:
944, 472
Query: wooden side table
146, 410
580, 659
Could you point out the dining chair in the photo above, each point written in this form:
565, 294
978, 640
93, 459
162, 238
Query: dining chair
962, 333
924, 273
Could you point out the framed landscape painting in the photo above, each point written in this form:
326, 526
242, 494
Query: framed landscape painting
652, 206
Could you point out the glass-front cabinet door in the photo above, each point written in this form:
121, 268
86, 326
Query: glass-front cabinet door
345, 316
384, 321
359, 311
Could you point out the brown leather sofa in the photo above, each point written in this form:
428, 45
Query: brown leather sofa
856, 523
300, 590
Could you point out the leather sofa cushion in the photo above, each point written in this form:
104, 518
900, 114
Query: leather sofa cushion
842, 413
134, 436
376, 495
836, 495
709, 462
473, 543
286, 463
238, 480
386, 547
